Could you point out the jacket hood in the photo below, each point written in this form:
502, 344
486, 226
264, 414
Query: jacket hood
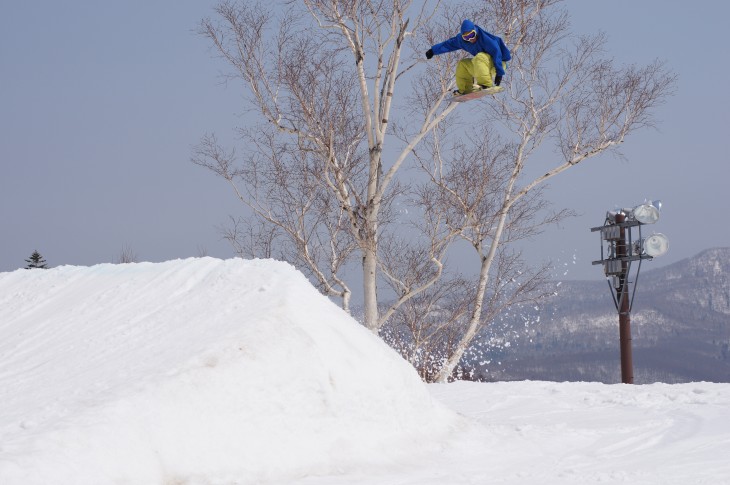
466, 26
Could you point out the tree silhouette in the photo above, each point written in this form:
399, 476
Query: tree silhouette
36, 261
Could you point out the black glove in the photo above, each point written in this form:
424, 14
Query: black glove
429, 54
497, 80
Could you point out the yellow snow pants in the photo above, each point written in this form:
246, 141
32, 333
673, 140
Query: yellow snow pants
479, 69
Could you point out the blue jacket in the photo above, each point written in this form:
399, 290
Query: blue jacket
486, 42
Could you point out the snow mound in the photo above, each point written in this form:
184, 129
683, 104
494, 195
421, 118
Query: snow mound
196, 371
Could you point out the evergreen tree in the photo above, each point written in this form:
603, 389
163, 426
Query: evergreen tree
36, 261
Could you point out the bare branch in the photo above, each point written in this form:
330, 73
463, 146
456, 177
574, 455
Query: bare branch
323, 174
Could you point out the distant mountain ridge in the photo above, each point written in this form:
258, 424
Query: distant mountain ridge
703, 280
680, 327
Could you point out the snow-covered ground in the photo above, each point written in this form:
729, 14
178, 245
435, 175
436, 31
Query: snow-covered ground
205, 371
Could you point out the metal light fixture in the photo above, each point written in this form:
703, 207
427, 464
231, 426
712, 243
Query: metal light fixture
647, 213
619, 250
653, 246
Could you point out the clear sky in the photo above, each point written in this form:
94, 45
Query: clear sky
101, 102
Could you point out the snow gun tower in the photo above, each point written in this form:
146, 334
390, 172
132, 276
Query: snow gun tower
619, 249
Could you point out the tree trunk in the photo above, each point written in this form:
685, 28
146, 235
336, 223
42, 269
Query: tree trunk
370, 293
476, 317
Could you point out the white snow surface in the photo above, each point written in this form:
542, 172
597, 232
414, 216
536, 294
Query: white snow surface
211, 372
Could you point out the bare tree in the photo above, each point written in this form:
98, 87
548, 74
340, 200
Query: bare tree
250, 239
318, 174
323, 176
127, 255
202, 251
462, 198
562, 94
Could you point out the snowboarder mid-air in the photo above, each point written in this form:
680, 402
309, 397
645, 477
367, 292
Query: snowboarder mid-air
487, 66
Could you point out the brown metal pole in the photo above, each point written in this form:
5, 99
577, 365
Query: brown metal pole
624, 314
624, 325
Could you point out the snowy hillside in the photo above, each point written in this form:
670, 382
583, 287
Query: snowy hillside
680, 325
228, 370
209, 372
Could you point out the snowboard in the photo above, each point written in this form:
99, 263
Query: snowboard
459, 98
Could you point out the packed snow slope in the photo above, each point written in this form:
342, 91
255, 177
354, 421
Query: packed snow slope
209, 372
196, 371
